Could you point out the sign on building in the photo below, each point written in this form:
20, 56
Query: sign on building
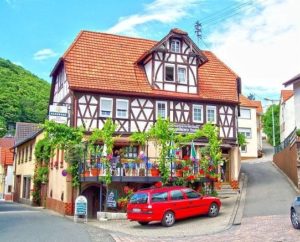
111, 201
80, 208
58, 114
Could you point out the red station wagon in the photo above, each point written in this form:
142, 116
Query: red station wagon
167, 204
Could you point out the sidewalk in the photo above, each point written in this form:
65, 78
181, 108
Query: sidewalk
230, 214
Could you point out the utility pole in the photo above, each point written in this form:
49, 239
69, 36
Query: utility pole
273, 124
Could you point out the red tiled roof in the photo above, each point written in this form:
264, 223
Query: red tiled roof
101, 62
7, 155
246, 102
286, 94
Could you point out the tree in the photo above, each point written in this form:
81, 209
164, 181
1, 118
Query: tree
251, 96
3, 129
268, 124
23, 96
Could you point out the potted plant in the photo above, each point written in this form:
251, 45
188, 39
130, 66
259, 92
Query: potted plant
178, 168
154, 169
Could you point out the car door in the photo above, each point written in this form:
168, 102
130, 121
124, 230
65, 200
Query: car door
160, 204
194, 201
178, 203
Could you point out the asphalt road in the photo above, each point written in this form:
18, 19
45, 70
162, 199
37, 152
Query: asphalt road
268, 191
23, 223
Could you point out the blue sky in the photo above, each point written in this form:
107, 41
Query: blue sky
258, 39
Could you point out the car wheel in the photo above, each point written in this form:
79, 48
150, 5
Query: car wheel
143, 223
168, 219
213, 210
295, 219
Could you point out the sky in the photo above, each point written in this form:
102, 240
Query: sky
258, 39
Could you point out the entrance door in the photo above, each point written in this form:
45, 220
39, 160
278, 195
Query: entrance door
17, 189
92, 195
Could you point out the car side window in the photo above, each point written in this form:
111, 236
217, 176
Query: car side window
159, 197
191, 193
176, 195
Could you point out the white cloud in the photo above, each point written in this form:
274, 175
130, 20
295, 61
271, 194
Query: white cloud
262, 46
18, 63
44, 54
163, 11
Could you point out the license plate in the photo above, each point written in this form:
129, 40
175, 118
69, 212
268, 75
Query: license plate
136, 210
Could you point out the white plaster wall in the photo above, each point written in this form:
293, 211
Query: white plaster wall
8, 178
251, 142
148, 69
297, 104
287, 116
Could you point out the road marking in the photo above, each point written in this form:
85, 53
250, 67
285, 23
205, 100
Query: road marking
21, 211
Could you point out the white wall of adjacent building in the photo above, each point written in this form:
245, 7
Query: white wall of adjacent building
297, 104
247, 124
287, 117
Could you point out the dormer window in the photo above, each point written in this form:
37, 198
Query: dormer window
175, 46
169, 70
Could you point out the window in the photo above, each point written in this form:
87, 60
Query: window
244, 148
106, 107
169, 70
140, 198
181, 72
122, 108
30, 152
191, 193
9, 188
26, 153
175, 46
245, 113
131, 152
26, 187
211, 114
197, 113
161, 108
176, 195
159, 197
246, 132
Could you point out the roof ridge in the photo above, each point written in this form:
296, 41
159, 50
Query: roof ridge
117, 35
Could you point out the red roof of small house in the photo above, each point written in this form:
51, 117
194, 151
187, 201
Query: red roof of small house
101, 62
6, 154
246, 102
286, 94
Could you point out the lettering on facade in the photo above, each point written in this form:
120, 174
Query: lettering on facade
185, 128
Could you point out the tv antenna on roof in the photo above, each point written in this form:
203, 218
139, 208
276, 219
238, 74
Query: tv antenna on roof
198, 30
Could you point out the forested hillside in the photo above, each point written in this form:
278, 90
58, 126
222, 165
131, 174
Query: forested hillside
23, 96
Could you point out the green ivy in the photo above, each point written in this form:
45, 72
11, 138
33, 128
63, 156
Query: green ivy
241, 139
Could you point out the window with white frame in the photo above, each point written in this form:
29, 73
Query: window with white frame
245, 113
169, 70
246, 132
244, 148
211, 115
122, 108
197, 113
181, 72
106, 107
175, 46
161, 109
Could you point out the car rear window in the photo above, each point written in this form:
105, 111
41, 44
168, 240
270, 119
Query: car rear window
191, 193
140, 198
159, 197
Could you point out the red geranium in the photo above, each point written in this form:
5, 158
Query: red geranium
158, 184
186, 168
201, 172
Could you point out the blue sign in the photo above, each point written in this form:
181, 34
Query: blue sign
111, 201
81, 206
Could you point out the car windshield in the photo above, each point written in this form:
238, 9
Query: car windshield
140, 198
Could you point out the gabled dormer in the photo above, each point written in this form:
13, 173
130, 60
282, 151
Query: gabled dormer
172, 64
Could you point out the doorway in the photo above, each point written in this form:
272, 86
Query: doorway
92, 194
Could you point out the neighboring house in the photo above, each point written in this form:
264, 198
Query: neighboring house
287, 114
250, 124
6, 167
133, 81
27, 134
287, 156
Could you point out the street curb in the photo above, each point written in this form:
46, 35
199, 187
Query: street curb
288, 179
237, 214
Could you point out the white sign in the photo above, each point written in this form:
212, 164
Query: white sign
80, 208
58, 114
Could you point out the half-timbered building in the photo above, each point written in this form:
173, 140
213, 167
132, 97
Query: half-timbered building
134, 80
